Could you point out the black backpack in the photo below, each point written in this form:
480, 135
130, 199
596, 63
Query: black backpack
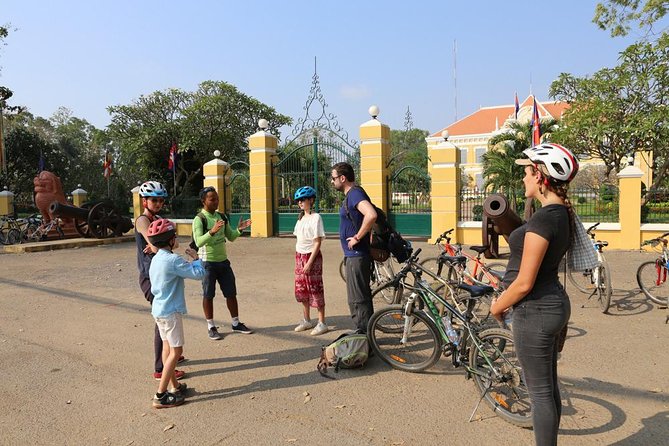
384, 239
201, 216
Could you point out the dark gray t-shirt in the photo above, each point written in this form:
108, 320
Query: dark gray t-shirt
551, 223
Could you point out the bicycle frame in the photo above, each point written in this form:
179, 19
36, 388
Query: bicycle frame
423, 291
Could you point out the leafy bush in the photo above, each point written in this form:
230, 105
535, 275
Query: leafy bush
581, 200
477, 210
608, 192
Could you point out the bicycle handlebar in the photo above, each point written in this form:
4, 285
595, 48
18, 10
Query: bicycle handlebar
655, 241
444, 236
592, 227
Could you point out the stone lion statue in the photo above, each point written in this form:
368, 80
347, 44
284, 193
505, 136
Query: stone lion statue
48, 189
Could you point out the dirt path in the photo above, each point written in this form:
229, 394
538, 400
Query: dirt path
76, 338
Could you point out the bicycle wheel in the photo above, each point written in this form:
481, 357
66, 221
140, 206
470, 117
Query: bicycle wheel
3, 236
497, 268
389, 292
499, 379
604, 289
342, 270
423, 345
652, 279
582, 280
12, 236
31, 233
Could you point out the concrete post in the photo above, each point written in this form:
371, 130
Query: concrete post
79, 196
374, 155
216, 174
629, 207
137, 208
6, 202
263, 147
445, 161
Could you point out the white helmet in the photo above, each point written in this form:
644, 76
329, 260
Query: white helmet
561, 164
152, 189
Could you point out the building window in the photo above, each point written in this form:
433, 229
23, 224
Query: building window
479, 154
463, 156
479, 181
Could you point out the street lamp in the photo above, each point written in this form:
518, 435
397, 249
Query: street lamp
373, 111
263, 124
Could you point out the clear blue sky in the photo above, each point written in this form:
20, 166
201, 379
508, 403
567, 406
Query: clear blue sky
87, 55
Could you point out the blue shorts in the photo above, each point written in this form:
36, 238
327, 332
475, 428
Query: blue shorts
220, 272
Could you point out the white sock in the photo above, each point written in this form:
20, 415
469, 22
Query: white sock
210, 323
235, 321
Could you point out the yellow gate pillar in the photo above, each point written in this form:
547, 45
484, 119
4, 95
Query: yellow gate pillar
262, 145
216, 174
6, 202
445, 161
630, 200
374, 154
137, 208
79, 196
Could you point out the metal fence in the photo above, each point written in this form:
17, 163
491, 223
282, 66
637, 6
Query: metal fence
600, 205
655, 206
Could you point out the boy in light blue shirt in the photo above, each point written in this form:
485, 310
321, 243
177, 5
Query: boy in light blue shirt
167, 274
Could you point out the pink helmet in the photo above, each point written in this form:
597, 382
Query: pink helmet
161, 230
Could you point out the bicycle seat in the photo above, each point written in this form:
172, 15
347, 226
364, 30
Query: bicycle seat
453, 259
480, 249
476, 290
599, 242
497, 274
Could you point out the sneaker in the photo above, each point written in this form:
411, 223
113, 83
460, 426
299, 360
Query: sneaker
304, 325
168, 400
178, 374
241, 328
181, 359
214, 334
320, 329
181, 390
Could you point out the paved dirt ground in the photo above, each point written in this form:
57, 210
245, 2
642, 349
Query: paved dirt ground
76, 341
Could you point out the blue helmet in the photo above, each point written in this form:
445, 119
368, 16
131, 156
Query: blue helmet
152, 189
305, 192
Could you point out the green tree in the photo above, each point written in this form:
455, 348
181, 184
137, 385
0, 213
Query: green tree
215, 117
617, 16
620, 110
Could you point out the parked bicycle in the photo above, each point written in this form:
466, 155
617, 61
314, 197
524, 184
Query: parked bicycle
34, 233
652, 275
597, 281
474, 271
412, 339
10, 230
382, 273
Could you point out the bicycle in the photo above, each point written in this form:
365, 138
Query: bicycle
39, 233
10, 230
652, 275
412, 339
382, 273
486, 273
597, 281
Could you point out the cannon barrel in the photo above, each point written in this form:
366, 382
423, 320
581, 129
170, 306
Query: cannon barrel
58, 209
496, 207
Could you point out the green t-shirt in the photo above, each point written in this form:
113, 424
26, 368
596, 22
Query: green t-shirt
212, 247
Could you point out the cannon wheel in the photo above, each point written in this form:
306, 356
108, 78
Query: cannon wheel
101, 220
82, 225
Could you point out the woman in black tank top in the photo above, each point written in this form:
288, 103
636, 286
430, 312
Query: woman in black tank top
541, 307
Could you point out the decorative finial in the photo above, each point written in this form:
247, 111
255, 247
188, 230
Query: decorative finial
373, 111
444, 135
263, 124
217, 153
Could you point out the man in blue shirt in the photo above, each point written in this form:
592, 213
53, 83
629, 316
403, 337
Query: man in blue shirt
356, 218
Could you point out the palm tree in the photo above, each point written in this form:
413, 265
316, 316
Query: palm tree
501, 172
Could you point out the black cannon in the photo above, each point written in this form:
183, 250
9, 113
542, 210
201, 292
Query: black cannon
98, 219
500, 219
